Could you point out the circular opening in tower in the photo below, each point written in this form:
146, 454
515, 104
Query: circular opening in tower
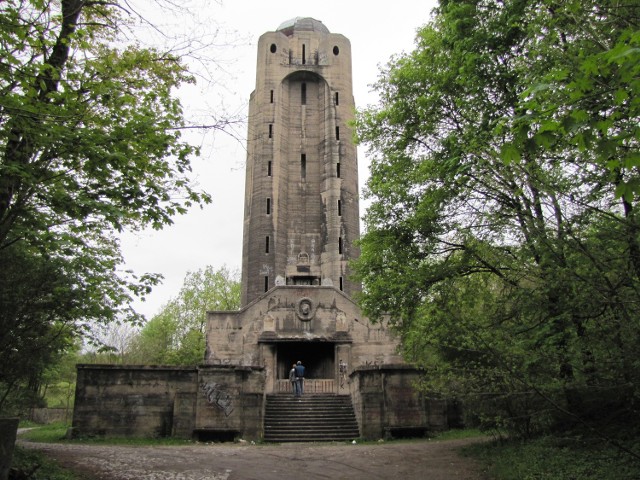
274, 48
336, 50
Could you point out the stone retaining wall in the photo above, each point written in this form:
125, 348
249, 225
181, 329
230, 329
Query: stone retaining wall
387, 404
209, 401
116, 400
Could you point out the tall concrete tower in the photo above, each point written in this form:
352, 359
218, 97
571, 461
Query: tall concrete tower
301, 201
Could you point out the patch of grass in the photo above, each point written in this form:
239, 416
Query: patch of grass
25, 423
553, 458
458, 434
53, 432
454, 434
132, 441
56, 432
28, 461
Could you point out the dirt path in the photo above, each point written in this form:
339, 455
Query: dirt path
398, 461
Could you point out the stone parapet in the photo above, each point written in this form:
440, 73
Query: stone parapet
129, 400
387, 404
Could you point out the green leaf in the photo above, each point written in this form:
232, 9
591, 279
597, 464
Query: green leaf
509, 153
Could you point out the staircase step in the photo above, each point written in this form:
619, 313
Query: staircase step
310, 418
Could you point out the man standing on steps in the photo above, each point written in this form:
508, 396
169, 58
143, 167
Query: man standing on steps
293, 380
300, 378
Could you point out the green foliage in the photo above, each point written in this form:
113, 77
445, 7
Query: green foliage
175, 336
38, 310
27, 460
502, 238
554, 459
56, 432
458, 434
50, 433
89, 145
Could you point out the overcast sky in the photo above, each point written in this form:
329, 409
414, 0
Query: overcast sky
213, 235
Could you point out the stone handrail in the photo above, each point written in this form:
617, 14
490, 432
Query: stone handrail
320, 385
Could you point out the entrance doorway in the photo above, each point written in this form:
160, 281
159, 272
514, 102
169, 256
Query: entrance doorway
318, 359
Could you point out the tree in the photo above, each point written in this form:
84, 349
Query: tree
176, 335
37, 314
90, 144
504, 200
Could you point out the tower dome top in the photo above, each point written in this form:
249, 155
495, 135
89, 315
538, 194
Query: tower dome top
302, 24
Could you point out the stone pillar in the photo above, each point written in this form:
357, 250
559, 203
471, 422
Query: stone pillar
8, 432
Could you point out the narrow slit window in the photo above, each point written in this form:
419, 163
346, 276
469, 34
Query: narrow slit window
266, 283
338, 169
304, 54
341, 284
340, 245
337, 133
267, 244
339, 208
271, 130
269, 206
337, 99
271, 96
303, 167
269, 168
303, 94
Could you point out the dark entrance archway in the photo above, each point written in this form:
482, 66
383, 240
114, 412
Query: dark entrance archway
317, 357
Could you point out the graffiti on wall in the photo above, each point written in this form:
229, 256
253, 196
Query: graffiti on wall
217, 396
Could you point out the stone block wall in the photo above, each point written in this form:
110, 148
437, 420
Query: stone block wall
217, 402
50, 415
141, 401
387, 404
230, 402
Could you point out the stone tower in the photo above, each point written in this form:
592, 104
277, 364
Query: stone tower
301, 200
301, 219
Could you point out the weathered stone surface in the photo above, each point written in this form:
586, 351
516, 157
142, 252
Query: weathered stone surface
387, 404
237, 337
230, 399
153, 401
301, 195
119, 400
50, 415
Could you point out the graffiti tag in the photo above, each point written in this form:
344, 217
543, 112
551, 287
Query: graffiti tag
216, 395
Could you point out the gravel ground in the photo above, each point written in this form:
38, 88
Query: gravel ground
389, 460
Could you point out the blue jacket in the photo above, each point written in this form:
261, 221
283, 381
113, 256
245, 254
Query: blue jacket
299, 371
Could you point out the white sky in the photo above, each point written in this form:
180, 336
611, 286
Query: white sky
213, 235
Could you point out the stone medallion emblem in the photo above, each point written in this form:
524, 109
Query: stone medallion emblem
305, 309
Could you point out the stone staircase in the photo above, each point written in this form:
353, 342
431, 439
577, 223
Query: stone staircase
310, 418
